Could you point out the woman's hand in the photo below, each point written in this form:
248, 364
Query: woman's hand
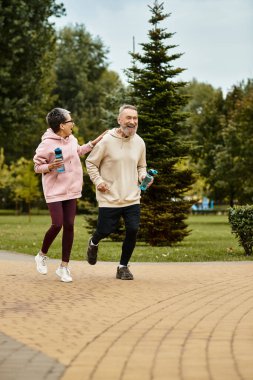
57, 163
94, 142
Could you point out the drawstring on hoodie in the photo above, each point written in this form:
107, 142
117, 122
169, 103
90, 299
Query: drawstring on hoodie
123, 139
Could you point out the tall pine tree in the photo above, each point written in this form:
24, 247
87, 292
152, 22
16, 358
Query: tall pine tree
161, 123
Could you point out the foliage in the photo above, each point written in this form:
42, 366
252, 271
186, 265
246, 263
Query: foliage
115, 95
4, 170
24, 182
233, 168
204, 126
5, 191
222, 129
27, 54
241, 220
157, 94
83, 81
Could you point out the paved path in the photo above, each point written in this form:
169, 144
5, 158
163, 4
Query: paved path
175, 321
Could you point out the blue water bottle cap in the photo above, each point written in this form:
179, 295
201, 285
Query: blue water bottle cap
152, 172
58, 151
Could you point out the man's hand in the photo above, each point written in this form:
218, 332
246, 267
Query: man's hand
103, 187
150, 183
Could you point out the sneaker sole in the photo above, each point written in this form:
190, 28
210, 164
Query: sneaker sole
91, 262
61, 277
66, 281
124, 279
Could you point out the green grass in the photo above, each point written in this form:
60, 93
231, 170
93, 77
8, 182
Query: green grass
210, 240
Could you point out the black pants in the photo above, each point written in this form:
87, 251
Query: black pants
108, 219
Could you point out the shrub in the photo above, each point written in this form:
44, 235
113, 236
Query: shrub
241, 220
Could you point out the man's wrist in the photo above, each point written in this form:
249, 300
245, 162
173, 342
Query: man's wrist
90, 144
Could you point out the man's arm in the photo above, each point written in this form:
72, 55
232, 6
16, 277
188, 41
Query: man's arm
93, 163
142, 165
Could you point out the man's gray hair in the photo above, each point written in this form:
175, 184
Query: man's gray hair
125, 107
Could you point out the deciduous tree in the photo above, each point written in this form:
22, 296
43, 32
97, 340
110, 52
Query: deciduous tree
24, 182
27, 52
83, 80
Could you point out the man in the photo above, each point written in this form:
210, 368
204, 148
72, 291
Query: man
116, 166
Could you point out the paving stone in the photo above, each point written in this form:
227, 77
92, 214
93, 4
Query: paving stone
176, 321
20, 362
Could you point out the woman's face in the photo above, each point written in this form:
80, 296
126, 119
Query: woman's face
67, 127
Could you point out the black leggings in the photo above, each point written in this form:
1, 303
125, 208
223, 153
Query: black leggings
62, 214
108, 219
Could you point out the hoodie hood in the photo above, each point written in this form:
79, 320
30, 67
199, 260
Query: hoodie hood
49, 134
113, 132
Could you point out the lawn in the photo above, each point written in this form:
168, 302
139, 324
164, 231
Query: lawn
210, 240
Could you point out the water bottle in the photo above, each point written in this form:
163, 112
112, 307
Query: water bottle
148, 179
58, 154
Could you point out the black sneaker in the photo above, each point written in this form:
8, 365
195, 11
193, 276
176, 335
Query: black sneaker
124, 273
92, 253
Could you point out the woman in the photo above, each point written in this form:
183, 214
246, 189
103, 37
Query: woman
61, 189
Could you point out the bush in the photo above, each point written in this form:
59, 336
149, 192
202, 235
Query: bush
241, 220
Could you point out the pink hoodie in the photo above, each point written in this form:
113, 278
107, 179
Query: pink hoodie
60, 186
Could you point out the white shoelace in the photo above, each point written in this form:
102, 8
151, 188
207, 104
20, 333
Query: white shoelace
43, 261
67, 269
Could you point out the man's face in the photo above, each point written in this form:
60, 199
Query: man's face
128, 121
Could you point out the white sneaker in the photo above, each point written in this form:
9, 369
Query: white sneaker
41, 262
64, 274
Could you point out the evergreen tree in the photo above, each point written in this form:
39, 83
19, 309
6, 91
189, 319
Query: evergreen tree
159, 101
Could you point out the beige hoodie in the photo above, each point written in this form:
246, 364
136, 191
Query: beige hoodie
120, 162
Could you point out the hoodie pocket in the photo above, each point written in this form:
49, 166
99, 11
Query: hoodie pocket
111, 195
55, 184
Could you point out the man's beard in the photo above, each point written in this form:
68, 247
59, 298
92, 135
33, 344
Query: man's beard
128, 131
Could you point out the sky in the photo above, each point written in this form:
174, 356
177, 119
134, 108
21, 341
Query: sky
214, 36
